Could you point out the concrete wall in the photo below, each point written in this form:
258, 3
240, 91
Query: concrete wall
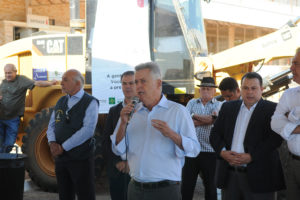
13, 14
59, 12
6, 32
12, 10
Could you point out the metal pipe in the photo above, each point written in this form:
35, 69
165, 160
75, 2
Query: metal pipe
74, 9
74, 14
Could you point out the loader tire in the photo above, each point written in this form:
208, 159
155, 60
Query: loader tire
40, 163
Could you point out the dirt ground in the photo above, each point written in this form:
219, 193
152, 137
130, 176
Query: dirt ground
32, 192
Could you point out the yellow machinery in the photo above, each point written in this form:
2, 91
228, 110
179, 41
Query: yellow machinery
42, 58
177, 43
243, 58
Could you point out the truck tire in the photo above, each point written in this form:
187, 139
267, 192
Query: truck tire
40, 163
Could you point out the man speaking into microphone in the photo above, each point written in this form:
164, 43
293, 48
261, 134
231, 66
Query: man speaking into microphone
157, 138
117, 169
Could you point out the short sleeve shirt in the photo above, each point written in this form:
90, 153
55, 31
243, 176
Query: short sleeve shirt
203, 132
13, 94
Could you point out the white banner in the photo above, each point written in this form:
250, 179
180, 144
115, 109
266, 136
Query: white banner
38, 21
120, 42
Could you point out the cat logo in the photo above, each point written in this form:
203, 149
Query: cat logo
58, 115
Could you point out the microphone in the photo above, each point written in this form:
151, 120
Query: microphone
134, 101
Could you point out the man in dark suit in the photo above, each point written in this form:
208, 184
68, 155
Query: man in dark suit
117, 166
248, 166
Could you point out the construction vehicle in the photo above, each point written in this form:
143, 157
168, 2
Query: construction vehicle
169, 32
243, 58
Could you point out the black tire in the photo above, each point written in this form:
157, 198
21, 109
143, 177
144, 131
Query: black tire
40, 163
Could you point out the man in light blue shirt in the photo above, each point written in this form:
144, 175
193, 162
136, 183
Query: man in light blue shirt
158, 136
70, 131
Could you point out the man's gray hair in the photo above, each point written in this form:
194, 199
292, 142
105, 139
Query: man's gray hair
78, 77
12, 66
152, 66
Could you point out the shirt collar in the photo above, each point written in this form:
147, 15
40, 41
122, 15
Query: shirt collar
162, 103
79, 94
251, 108
213, 100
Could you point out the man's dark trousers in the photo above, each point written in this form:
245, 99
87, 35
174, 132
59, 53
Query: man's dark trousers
118, 185
80, 172
170, 192
204, 164
237, 188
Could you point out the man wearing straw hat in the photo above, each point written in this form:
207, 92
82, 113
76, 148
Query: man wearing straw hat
203, 111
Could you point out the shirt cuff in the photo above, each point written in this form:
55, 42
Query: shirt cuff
66, 147
286, 132
191, 148
293, 116
120, 148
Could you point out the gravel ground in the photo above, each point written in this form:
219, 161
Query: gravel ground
32, 192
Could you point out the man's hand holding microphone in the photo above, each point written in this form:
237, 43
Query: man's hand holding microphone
125, 116
128, 110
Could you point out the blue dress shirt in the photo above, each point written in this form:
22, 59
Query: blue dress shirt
153, 157
89, 123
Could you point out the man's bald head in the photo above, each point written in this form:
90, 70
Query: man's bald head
10, 72
77, 76
72, 81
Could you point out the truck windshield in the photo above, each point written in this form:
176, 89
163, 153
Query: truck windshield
178, 36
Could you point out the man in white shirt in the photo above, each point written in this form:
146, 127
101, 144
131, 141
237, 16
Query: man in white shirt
248, 166
286, 122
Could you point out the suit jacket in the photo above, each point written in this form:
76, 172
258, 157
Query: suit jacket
264, 172
111, 123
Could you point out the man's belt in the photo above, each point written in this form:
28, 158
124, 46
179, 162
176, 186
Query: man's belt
154, 185
295, 157
238, 169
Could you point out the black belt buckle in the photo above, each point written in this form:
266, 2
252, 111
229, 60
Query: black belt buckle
238, 169
154, 185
